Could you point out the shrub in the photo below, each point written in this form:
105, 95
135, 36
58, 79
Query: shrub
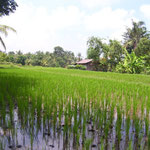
81, 67
71, 67
146, 70
131, 64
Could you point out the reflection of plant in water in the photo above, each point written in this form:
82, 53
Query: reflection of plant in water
73, 109
88, 143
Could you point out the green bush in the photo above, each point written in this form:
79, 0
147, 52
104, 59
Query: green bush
147, 70
71, 67
81, 67
131, 64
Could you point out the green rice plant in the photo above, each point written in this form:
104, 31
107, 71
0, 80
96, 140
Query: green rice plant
84, 128
130, 146
87, 144
73, 100
102, 146
118, 124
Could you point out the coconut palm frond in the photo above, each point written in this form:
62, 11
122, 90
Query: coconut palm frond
141, 23
4, 29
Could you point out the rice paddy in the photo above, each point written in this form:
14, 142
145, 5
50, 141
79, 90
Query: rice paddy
54, 108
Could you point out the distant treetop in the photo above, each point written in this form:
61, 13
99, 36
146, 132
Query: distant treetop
7, 7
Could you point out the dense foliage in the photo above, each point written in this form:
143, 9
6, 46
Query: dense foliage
131, 64
59, 58
130, 56
94, 50
7, 7
133, 35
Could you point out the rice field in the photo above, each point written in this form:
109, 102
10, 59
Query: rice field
54, 108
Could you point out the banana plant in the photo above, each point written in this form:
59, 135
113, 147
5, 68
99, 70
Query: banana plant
131, 64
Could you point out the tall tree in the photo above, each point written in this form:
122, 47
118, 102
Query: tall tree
143, 49
37, 58
59, 51
4, 30
94, 50
11, 57
112, 54
133, 35
7, 7
115, 52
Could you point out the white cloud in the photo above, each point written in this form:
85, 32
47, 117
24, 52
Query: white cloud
111, 22
69, 27
108, 19
97, 3
66, 17
37, 29
145, 9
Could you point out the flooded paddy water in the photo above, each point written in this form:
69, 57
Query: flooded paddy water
66, 110
39, 133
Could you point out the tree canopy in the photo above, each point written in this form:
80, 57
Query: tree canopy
7, 7
94, 50
58, 58
132, 54
133, 35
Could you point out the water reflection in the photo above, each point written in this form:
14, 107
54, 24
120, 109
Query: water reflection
41, 132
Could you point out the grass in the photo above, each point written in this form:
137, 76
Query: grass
75, 106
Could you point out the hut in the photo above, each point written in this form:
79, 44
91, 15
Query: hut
87, 63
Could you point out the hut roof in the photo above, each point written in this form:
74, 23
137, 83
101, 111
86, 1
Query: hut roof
84, 61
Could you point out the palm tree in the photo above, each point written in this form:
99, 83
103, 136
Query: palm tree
79, 57
4, 30
134, 34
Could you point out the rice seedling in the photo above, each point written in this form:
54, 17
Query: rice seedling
69, 109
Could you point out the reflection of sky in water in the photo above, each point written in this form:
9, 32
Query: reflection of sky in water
44, 139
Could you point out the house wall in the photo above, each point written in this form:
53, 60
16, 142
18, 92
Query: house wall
89, 66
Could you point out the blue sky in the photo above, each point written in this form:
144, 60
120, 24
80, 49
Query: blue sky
44, 24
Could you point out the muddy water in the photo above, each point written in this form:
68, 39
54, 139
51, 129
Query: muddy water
42, 135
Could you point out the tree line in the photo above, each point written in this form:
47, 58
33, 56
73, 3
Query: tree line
132, 55
58, 58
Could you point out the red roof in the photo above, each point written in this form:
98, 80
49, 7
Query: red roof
84, 61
